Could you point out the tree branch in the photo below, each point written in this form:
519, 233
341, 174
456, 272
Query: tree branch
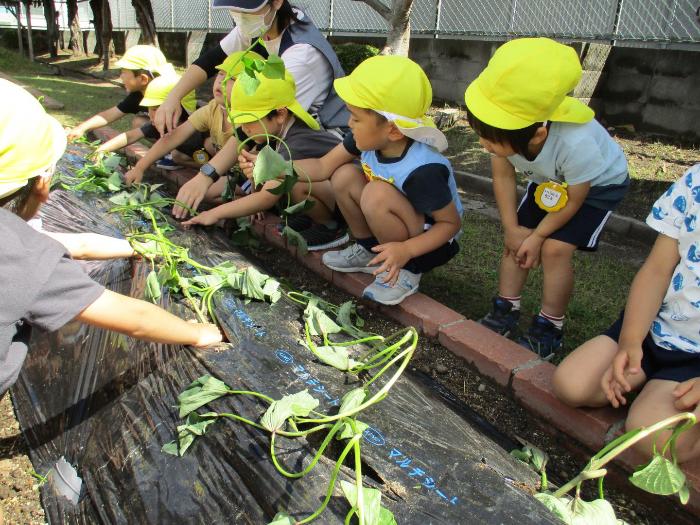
379, 7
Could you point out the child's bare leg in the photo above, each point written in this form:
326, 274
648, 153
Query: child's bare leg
389, 214
654, 403
511, 277
558, 279
348, 181
577, 379
323, 197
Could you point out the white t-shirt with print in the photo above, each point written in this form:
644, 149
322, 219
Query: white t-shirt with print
675, 214
312, 73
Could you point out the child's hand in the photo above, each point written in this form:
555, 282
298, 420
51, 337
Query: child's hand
206, 218
687, 394
191, 194
74, 134
257, 217
392, 256
514, 238
209, 334
615, 384
528, 255
97, 155
134, 175
246, 161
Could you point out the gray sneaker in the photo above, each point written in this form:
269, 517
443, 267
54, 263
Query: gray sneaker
384, 293
354, 258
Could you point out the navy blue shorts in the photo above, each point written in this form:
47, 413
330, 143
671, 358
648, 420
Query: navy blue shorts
659, 363
582, 230
426, 262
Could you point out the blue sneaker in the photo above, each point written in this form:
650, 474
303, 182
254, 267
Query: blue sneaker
542, 337
502, 319
167, 163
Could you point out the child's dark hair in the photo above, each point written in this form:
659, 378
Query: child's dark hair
150, 74
285, 16
517, 138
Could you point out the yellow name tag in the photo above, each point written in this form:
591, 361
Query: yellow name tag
551, 196
201, 157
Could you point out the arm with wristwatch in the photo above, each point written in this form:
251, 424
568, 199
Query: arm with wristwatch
192, 193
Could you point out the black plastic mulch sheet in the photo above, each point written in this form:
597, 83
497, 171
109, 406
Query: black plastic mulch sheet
107, 404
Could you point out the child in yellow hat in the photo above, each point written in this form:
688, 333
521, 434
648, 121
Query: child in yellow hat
401, 202
520, 109
139, 65
156, 92
273, 110
42, 286
221, 150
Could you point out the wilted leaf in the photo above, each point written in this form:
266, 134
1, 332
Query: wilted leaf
299, 404
272, 290
282, 518
319, 323
253, 283
152, 292
335, 356
346, 431
249, 82
371, 501
114, 182
120, 199
557, 506
295, 239
286, 185
352, 399
661, 476
201, 392
598, 511
299, 207
270, 165
196, 425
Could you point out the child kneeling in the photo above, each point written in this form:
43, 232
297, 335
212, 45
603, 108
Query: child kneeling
654, 346
401, 202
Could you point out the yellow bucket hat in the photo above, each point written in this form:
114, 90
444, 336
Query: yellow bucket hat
526, 81
149, 58
271, 93
397, 88
31, 141
233, 65
158, 90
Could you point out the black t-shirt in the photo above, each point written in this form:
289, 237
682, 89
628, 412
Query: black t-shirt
426, 187
41, 287
132, 104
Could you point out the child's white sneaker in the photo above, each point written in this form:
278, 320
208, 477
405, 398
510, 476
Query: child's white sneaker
354, 258
384, 293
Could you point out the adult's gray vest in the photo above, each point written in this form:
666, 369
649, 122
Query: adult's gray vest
333, 113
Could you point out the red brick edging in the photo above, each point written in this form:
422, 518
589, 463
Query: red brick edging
514, 368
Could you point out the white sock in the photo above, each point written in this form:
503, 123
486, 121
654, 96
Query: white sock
556, 321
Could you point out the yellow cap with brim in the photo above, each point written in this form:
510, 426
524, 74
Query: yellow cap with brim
397, 88
525, 82
234, 65
158, 90
145, 57
271, 94
31, 142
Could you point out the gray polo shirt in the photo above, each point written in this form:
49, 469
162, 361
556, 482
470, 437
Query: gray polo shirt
41, 287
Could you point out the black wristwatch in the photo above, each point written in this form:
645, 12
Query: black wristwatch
210, 171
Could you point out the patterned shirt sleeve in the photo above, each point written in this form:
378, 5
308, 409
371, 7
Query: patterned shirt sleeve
668, 213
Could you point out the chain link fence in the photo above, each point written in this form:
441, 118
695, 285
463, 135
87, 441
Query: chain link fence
612, 21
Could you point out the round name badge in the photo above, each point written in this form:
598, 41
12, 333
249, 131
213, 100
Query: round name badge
551, 196
201, 157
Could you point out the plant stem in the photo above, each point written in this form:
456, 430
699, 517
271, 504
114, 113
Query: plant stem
317, 456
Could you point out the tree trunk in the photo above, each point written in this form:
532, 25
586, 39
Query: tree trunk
398, 17
51, 27
107, 43
96, 7
19, 28
146, 21
30, 38
76, 35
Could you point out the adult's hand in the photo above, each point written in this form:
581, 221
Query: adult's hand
191, 195
167, 116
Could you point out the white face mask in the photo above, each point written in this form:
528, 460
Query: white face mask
252, 26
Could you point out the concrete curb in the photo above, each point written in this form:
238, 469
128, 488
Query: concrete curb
516, 370
619, 224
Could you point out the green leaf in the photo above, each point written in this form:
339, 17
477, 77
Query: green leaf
371, 504
112, 162
557, 506
299, 404
319, 322
120, 199
249, 82
299, 207
335, 356
386, 517
352, 399
208, 281
270, 165
286, 185
346, 431
598, 511
274, 67
201, 392
295, 239
114, 182
272, 290
684, 494
253, 283
282, 518
661, 476
235, 280
152, 292
196, 425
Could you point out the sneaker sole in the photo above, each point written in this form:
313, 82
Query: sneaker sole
352, 269
332, 244
393, 302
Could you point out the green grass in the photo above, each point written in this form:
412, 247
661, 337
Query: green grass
469, 281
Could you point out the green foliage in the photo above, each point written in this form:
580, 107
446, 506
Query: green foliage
372, 511
318, 321
282, 518
661, 476
299, 404
102, 176
196, 425
579, 512
351, 55
200, 392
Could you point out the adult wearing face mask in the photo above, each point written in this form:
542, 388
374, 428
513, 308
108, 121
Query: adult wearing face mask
287, 32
